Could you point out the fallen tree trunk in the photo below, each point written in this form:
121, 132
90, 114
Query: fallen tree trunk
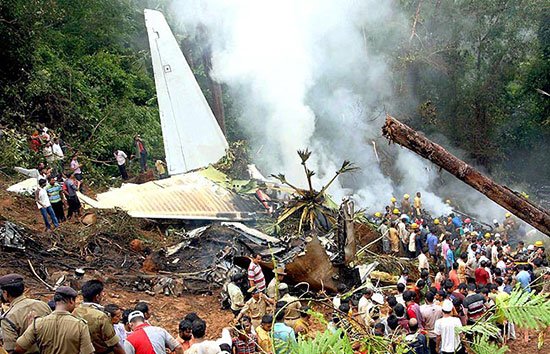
403, 135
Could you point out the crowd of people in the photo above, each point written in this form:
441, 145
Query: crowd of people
59, 180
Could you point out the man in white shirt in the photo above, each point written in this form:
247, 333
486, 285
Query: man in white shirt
423, 260
58, 154
365, 306
120, 157
447, 340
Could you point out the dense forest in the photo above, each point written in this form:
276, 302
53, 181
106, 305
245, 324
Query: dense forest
475, 72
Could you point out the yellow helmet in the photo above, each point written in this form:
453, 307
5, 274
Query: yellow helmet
473, 233
487, 235
406, 196
448, 201
377, 214
539, 244
507, 215
414, 225
393, 200
396, 211
436, 221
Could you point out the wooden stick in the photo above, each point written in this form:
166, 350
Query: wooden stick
36, 275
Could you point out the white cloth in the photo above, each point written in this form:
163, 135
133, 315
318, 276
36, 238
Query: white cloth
336, 301
43, 198
364, 308
58, 152
48, 154
445, 327
120, 157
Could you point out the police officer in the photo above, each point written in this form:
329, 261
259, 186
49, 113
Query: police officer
292, 310
102, 332
59, 332
15, 320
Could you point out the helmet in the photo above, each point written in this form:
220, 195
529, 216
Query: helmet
507, 215
377, 214
495, 221
497, 235
467, 221
448, 201
378, 298
393, 200
473, 233
539, 244
414, 225
487, 235
436, 221
406, 196
396, 211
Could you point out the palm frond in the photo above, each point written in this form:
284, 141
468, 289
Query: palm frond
524, 309
482, 345
347, 166
304, 155
483, 328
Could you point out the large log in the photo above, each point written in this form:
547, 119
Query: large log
403, 135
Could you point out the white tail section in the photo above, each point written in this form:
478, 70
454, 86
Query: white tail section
192, 136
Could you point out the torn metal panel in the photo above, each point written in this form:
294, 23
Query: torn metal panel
251, 232
26, 187
12, 236
190, 197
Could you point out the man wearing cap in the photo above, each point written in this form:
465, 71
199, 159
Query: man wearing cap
59, 332
256, 306
15, 319
147, 339
102, 332
272, 290
292, 310
447, 339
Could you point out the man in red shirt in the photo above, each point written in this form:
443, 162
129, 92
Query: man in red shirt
453, 276
481, 275
255, 273
147, 339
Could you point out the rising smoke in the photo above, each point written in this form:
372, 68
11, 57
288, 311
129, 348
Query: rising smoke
313, 74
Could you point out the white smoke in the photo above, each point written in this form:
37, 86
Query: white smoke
307, 74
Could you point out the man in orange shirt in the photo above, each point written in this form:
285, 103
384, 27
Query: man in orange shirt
185, 337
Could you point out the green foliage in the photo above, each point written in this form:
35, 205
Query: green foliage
527, 310
482, 345
326, 342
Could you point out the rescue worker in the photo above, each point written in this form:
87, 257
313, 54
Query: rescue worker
403, 233
59, 332
15, 319
418, 204
256, 306
393, 201
102, 332
394, 240
395, 214
292, 310
272, 288
412, 240
406, 205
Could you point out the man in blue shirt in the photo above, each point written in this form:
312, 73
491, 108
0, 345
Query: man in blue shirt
523, 277
457, 222
283, 336
451, 256
432, 241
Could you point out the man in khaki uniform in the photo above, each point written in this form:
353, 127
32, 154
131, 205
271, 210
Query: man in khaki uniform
59, 332
406, 205
21, 311
101, 329
272, 290
256, 306
418, 204
292, 310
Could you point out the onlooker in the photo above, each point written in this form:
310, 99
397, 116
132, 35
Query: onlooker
264, 333
185, 338
57, 197
76, 168
120, 157
58, 154
255, 273
160, 166
141, 152
115, 314
143, 307
44, 205
415, 340
147, 339
72, 199
448, 342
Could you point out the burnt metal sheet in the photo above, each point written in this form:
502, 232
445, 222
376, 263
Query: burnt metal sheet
189, 196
